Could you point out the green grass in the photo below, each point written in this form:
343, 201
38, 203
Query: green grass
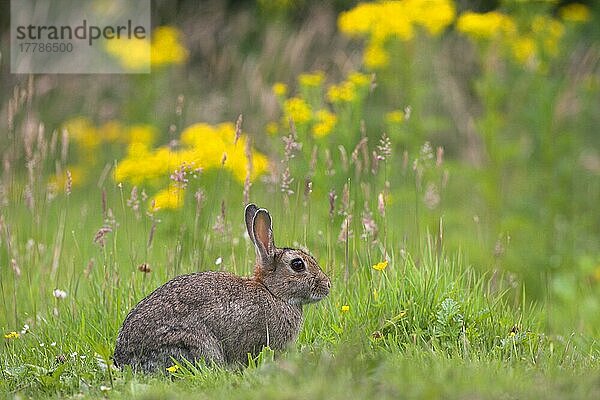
428, 326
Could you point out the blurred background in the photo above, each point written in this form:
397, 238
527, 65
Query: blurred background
472, 122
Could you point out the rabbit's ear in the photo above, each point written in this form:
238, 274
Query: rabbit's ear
262, 229
249, 216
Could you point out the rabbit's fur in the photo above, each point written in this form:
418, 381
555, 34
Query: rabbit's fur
220, 317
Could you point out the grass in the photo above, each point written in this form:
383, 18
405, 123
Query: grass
427, 326
430, 325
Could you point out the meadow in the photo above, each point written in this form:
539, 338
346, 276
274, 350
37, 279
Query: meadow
442, 163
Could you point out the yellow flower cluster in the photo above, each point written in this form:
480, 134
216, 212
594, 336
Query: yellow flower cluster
309, 110
280, 89
89, 137
297, 109
375, 56
385, 19
169, 198
349, 90
526, 45
311, 80
486, 25
382, 20
345, 92
165, 48
201, 145
325, 123
11, 335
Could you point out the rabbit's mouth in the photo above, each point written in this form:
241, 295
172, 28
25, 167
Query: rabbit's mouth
319, 293
317, 297
313, 298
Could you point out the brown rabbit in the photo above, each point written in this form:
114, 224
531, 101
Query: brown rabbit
220, 317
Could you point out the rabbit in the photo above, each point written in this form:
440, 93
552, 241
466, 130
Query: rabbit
219, 317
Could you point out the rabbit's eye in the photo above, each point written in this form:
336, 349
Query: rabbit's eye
298, 265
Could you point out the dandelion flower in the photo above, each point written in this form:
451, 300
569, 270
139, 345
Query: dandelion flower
345, 308
173, 368
380, 266
280, 89
395, 117
12, 335
166, 47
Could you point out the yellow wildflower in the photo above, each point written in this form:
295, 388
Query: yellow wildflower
395, 117
166, 47
280, 89
311, 80
141, 133
12, 335
345, 308
132, 54
173, 368
202, 145
83, 132
297, 109
359, 80
486, 25
381, 266
385, 19
169, 198
434, 16
375, 56
524, 49
575, 12
325, 123
344, 92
